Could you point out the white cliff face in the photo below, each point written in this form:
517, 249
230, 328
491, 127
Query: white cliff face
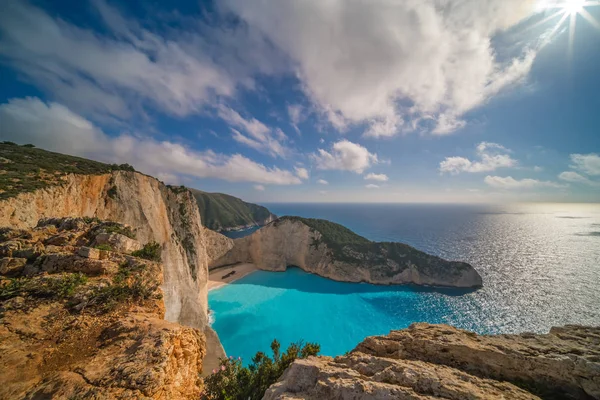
292, 243
155, 212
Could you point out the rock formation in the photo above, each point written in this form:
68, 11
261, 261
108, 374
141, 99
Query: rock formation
439, 361
155, 212
334, 252
79, 322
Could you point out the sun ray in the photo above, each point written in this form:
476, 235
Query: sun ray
589, 18
550, 35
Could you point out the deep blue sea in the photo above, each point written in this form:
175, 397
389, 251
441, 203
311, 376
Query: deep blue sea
540, 265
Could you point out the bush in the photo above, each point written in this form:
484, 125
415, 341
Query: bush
118, 228
151, 251
29, 145
104, 246
233, 381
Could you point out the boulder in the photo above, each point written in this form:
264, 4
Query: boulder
89, 252
12, 267
118, 242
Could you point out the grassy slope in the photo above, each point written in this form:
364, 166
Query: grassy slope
25, 169
221, 211
349, 247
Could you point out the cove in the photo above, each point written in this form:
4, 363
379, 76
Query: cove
296, 306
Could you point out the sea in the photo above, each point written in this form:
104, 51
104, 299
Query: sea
540, 265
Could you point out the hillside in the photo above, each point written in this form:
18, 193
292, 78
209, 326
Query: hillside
335, 252
222, 212
26, 168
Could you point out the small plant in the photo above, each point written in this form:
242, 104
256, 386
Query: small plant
104, 246
112, 192
233, 381
151, 251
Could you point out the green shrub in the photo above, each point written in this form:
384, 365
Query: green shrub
151, 251
29, 145
112, 192
233, 381
104, 246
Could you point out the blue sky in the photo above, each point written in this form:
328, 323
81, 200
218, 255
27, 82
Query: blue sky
382, 101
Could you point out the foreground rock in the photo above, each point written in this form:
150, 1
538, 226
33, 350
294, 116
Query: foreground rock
439, 361
332, 251
78, 322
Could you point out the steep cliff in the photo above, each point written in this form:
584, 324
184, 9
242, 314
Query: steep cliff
438, 361
155, 212
80, 322
332, 251
222, 212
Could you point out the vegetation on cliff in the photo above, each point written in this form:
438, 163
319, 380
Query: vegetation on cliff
26, 168
221, 212
233, 381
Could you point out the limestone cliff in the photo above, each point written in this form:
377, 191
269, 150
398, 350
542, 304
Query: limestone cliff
334, 252
155, 212
79, 322
438, 361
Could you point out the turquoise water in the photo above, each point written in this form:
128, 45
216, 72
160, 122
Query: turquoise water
540, 265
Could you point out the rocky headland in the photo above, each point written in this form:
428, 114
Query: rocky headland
333, 251
439, 361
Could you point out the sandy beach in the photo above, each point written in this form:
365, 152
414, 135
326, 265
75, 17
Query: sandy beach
216, 280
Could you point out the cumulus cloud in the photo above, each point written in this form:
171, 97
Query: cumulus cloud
116, 74
490, 159
574, 177
55, 127
510, 183
260, 188
377, 177
394, 65
587, 163
260, 136
322, 182
301, 173
372, 186
345, 156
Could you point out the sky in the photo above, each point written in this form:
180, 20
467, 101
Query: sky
316, 100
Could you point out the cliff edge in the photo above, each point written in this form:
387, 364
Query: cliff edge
333, 251
438, 361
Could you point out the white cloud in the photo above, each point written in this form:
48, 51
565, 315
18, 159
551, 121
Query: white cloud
490, 160
372, 186
118, 73
510, 183
54, 127
322, 182
538, 169
261, 137
377, 177
321, 140
574, 177
364, 61
260, 188
344, 156
296, 114
302, 173
587, 163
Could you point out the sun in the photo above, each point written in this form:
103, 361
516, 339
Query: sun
573, 6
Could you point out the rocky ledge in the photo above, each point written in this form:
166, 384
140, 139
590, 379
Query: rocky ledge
82, 316
438, 361
333, 251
